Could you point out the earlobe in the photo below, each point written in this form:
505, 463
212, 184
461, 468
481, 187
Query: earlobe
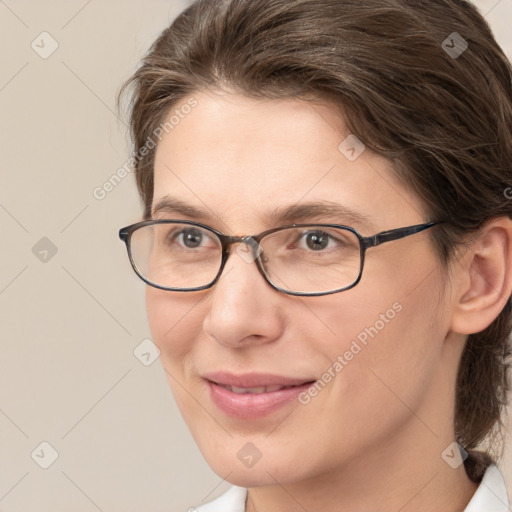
487, 276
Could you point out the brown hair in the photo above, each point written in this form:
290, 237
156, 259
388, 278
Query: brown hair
444, 118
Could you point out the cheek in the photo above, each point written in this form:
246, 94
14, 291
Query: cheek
174, 321
382, 341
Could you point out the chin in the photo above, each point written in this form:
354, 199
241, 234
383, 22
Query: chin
238, 461
261, 474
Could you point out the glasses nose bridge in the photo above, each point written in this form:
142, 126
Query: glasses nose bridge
229, 240
250, 249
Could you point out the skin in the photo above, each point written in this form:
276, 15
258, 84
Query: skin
372, 438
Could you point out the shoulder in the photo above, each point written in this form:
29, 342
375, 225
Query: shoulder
231, 501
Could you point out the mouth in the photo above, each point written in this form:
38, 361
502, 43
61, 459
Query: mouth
252, 396
258, 389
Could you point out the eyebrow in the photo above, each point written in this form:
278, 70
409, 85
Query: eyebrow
326, 211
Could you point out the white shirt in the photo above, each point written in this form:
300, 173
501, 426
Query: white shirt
491, 496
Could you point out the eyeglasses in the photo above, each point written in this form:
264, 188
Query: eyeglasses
300, 259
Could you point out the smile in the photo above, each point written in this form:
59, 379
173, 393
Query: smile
253, 396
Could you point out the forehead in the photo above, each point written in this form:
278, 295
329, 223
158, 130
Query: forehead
241, 158
228, 129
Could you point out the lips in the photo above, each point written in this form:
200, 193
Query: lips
252, 396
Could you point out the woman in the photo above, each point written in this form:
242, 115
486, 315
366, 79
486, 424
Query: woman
328, 248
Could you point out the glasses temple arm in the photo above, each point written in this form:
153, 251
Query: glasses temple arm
395, 234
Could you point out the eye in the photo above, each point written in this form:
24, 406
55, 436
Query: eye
319, 240
191, 238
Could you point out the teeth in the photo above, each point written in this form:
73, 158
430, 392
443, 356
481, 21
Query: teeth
259, 389
269, 389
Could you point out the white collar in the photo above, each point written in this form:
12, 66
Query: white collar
491, 496
231, 501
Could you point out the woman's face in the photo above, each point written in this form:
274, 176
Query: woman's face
374, 350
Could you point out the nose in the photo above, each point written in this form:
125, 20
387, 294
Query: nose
244, 309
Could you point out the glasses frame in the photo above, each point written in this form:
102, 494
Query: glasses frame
253, 241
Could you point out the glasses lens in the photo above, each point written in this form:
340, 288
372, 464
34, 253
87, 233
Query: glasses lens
311, 259
175, 255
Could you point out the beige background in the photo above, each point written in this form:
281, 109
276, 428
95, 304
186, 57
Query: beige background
70, 325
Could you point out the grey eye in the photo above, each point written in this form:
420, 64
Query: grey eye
317, 240
191, 238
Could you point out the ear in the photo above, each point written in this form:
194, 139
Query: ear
485, 278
